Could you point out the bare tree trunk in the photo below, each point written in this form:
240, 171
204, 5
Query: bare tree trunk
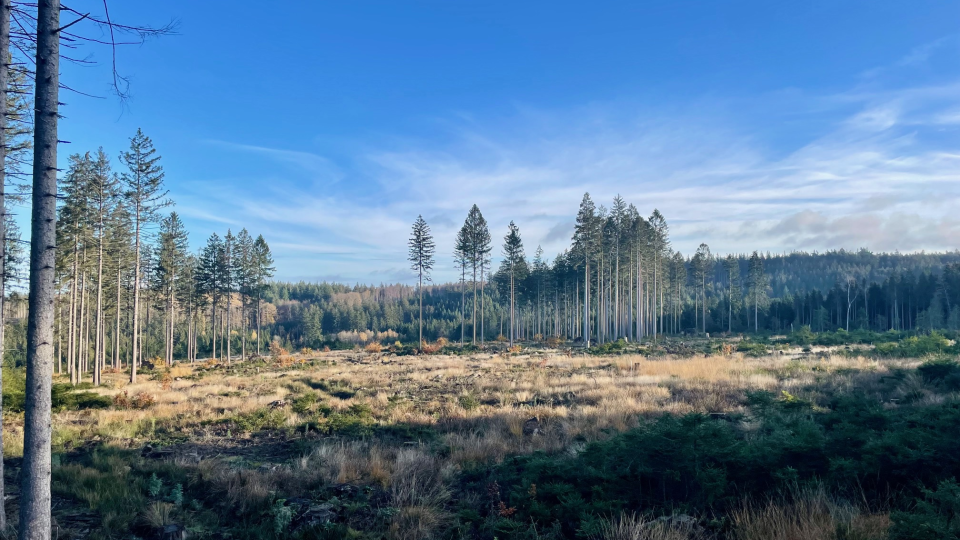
512, 309
420, 344
72, 343
136, 297
481, 302
258, 324
586, 303
474, 321
639, 299
244, 327
35, 519
59, 347
191, 333
5, 8
168, 331
213, 327
116, 337
82, 352
227, 333
98, 350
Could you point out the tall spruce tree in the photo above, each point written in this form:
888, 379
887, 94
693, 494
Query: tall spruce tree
702, 266
103, 191
585, 238
187, 297
481, 246
73, 236
170, 260
659, 247
145, 196
732, 266
210, 281
759, 284
462, 256
420, 255
263, 270
678, 275
229, 273
514, 265
243, 273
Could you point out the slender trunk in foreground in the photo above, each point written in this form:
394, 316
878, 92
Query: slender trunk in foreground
35, 473
4, 81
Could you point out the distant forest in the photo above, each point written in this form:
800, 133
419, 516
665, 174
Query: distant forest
129, 291
620, 278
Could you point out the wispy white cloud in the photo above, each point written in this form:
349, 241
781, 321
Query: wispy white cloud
321, 168
882, 171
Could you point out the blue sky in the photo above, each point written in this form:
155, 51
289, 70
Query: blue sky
329, 126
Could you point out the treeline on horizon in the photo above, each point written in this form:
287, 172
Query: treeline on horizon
620, 278
187, 304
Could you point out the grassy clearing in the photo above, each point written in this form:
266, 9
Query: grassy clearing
353, 444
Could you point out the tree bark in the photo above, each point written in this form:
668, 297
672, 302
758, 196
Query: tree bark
244, 325
136, 296
5, 7
227, 333
116, 336
586, 303
82, 350
420, 344
512, 310
72, 343
35, 519
481, 302
98, 350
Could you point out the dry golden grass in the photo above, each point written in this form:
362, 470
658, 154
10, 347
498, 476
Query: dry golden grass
459, 397
811, 515
713, 368
634, 527
478, 407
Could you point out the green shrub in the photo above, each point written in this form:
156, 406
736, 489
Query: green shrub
357, 420
753, 348
942, 371
263, 418
802, 337
154, 485
916, 346
282, 516
611, 347
698, 465
304, 403
63, 396
935, 516
468, 401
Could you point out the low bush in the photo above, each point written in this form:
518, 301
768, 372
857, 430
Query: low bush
699, 465
357, 421
611, 347
753, 348
934, 516
305, 403
63, 396
140, 400
263, 418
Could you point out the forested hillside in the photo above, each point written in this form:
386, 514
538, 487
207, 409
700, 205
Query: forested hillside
621, 278
129, 289
311, 314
